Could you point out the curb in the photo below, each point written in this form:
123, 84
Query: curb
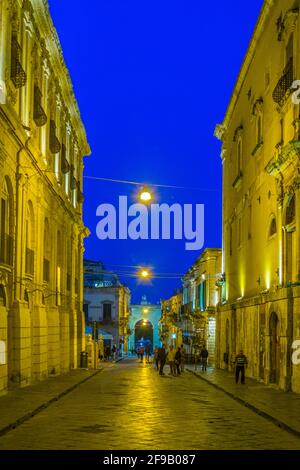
31, 414
252, 407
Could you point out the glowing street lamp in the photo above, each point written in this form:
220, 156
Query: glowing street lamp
146, 310
145, 195
145, 274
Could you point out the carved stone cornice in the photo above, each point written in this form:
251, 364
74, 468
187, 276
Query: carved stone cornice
238, 133
283, 157
257, 107
220, 132
287, 24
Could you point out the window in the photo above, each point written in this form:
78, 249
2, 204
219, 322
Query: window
2, 297
47, 252
106, 312
273, 227
290, 211
202, 296
29, 227
250, 222
239, 157
2, 353
6, 241
259, 136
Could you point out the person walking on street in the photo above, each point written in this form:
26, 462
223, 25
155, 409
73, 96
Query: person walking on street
142, 352
148, 352
204, 356
171, 360
178, 360
162, 356
240, 365
182, 358
156, 358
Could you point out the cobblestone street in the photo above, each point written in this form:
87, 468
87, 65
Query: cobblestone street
129, 406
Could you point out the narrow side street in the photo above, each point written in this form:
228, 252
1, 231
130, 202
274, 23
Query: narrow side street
129, 406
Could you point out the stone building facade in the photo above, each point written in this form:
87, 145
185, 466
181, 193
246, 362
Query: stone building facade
260, 310
171, 322
107, 302
144, 325
200, 299
42, 142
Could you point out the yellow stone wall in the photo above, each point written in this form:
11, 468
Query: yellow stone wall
260, 154
41, 318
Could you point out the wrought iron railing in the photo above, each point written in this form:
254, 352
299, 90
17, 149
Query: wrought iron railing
17, 73
6, 250
39, 115
54, 142
283, 87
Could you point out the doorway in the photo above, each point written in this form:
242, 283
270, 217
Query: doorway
274, 349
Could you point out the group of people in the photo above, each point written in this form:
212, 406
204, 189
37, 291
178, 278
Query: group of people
141, 351
174, 357
110, 353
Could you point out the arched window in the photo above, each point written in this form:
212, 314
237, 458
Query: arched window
273, 227
2, 297
290, 211
239, 156
29, 234
259, 136
6, 211
47, 251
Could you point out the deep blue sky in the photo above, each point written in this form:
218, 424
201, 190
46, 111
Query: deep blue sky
152, 78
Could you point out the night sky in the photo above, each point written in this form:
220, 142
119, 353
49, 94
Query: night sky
152, 79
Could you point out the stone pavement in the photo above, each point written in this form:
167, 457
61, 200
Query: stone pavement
20, 404
130, 407
282, 408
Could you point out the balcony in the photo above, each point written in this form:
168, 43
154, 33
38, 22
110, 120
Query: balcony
29, 262
17, 73
6, 250
283, 88
54, 142
39, 115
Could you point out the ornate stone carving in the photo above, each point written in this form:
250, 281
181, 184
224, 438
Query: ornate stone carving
238, 133
286, 25
220, 132
257, 107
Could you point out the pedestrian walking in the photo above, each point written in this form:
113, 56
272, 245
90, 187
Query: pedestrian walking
240, 365
148, 352
204, 357
171, 360
182, 358
178, 360
156, 358
142, 352
114, 351
162, 356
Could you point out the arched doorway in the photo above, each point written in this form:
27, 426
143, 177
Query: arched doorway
143, 334
274, 349
226, 354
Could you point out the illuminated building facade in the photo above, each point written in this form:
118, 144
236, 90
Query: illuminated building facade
42, 142
200, 298
144, 325
260, 311
107, 302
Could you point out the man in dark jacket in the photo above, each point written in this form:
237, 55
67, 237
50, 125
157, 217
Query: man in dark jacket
240, 364
204, 356
162, 357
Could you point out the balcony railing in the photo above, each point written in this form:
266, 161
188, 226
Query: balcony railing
39, 115
29, 263
54, 142
283, 87
46, 270
17, 73
6, 250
